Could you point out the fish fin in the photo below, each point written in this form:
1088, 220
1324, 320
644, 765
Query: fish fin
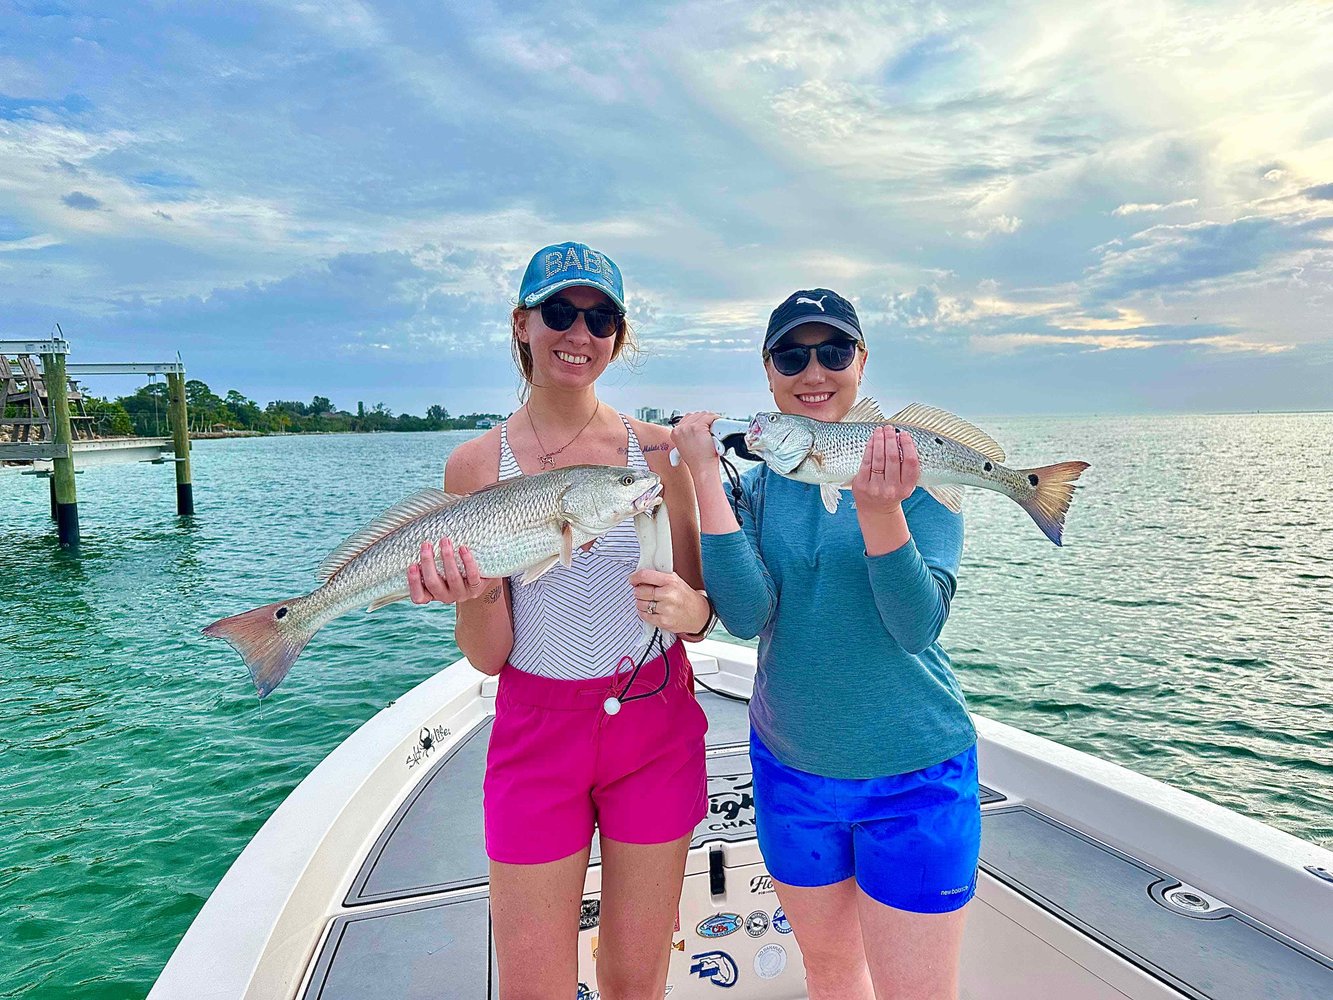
946, 424
831, 496
267, 649
663, 557
783, 462
566, 544
387, 599
498, 485
1055, 489
950, 496
866, 411
538, 570
419, 504
790, 452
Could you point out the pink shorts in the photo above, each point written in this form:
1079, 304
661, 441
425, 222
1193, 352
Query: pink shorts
558, 764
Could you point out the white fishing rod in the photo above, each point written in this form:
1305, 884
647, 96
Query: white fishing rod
728, 435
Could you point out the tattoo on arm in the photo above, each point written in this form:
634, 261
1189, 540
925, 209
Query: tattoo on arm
656, 447
492, 595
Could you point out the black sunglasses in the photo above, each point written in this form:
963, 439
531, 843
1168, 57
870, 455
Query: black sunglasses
602, 321
835, 355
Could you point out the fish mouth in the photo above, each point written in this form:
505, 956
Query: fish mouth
648, 499
752, 434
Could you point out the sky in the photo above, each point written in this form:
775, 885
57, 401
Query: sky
1046, 207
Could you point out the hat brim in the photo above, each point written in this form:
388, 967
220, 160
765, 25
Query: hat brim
542, 294
833, 321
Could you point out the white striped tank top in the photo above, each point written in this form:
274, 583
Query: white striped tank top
576, 622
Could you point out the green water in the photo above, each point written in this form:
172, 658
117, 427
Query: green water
1184, 632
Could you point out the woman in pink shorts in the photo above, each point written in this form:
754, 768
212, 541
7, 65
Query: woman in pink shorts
581, 738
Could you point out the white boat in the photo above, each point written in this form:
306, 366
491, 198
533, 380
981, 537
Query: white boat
370, 880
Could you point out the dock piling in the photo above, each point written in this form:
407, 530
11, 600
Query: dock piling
180, 436
64, 498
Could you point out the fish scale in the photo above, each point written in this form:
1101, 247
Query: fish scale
943, 461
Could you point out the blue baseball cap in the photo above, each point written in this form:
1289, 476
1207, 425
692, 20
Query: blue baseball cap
813, 305
563, 265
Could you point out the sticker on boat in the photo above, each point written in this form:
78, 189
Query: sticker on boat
716, 967
770, 961
719, 925
761, 884
589, 914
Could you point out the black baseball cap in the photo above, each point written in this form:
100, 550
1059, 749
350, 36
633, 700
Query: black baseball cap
813, 305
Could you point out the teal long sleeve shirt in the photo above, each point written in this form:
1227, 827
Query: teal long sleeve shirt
852, 682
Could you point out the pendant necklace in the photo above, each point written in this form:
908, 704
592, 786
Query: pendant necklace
547, 458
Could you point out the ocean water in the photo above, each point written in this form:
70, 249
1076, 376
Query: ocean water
1184, 631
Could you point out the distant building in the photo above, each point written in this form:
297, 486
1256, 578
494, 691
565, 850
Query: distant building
651, 415
486, 423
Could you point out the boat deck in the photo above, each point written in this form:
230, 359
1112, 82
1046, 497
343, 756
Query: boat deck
415, 922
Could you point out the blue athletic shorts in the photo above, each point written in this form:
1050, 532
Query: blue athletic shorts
911, 840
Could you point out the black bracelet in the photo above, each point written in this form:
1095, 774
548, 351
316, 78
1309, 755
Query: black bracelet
709, 625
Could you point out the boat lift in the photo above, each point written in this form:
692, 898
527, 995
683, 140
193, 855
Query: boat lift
59, 446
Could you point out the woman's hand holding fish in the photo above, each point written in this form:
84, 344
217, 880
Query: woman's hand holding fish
889, 473
426, 583
667, 601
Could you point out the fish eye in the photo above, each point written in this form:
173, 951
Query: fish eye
627, 480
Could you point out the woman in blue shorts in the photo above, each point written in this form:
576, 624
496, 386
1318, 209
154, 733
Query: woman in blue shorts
865, 771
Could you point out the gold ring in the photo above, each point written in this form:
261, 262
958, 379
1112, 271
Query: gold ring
652, 607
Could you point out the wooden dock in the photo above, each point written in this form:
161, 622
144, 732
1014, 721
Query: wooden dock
87, 454
46, 427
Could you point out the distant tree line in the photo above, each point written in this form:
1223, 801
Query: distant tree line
145, 414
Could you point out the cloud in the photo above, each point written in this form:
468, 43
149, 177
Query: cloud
410, 301
15, 109
40, 242
166, 184
1134, 208
999, 224
1320, 192
1009, 342
1175, 256
83, 202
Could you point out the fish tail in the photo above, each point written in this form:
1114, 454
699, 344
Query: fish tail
268, 647
1054, 492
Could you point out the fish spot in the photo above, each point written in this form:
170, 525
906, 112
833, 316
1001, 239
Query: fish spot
280, 614
939, 440
1032, 478
988, 467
